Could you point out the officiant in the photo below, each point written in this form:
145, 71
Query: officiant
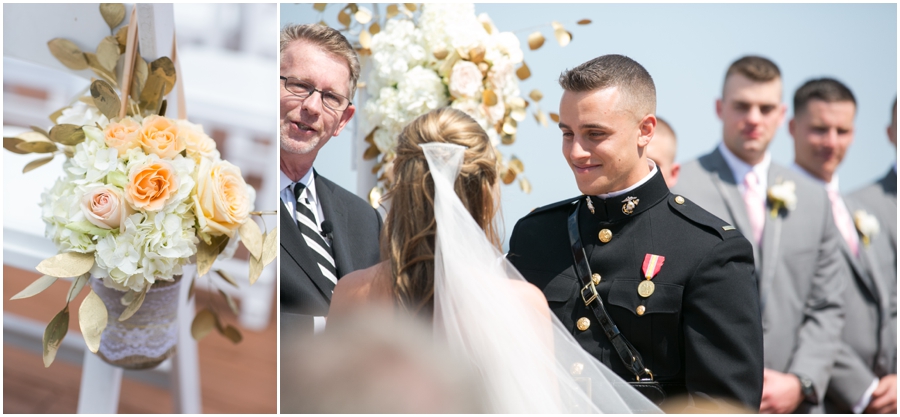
326, 231
652, 285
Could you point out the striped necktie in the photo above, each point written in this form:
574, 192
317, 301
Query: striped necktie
309, 228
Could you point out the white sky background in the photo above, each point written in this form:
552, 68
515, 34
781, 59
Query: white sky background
686, 49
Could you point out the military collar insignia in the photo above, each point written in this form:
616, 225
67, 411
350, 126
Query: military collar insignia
630, 203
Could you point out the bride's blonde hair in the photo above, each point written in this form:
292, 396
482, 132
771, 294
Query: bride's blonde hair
409, 230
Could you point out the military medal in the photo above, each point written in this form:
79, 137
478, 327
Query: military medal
652, 264
590, 205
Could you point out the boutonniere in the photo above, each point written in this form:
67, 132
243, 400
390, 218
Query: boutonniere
782, 195
867, 225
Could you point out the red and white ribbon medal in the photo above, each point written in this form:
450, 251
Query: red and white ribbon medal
652, 264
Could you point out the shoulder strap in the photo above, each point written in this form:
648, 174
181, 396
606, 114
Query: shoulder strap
629, 355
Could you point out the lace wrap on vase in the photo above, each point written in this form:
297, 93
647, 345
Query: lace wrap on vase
148, 337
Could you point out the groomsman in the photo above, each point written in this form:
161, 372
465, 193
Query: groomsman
674, 280
662, 151
788, 220
326, 231
880, 200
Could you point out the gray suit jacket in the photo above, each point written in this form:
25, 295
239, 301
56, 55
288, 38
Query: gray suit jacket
800, 270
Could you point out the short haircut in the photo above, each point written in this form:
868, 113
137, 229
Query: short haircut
665, 127
329, 40
828, 90
635, 83
755, 68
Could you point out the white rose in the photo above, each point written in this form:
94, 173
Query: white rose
103, 206
465, 80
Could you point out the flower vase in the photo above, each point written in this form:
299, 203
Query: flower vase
148, 337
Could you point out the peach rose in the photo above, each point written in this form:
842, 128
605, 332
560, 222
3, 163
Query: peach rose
150, 185
159, 136
103, 206
221, 203
197, 143
122, 135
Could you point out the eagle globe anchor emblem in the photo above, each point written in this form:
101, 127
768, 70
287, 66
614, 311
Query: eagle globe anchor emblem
630, 203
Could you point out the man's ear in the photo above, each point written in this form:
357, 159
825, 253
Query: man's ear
345, 118
648, 128
673, 174
719, 107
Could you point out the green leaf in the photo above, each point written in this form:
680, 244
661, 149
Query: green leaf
87, 227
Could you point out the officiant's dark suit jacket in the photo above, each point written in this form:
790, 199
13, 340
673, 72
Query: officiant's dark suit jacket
700, 332
356, 229
799, 266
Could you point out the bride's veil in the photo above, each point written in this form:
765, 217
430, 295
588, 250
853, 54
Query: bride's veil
529, 364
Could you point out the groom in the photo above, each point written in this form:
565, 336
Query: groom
698, 329
326, 231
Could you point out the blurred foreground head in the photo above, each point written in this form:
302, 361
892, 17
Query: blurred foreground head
376, 362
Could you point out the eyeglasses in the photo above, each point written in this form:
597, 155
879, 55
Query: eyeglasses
330, 99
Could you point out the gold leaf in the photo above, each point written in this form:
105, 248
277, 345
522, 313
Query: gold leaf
322, 23
55, 115
410, 6
54, 334
554, 117
510, 127
375, 197
77, 285
584, 22
270, 246
252, 237
370, 138
99, 70
35, 287
231, 304
363, 16
319, 7
344, 18
518, 114
489, 97
441, 53
191, 289
536, 95
35, 142
392, 10
231, 333
525, 185
476, 54
556, 25
164, 67
507, 139
10, 145
92, 318
67, 134
541, 117
227, 277
122, 38
207, 253
68, 53
105, 99
66, 264
562, 36
365, 39
139, 78
203, 323
375, 28
535, 40
151, 95
40, 130
371, 152
353, 8
517, 103
108, 53
256, 268
128, 298
113, 13
523, 72
135, 305
515, 164
508, 176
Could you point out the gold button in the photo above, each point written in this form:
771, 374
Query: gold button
605, 235
641, 310
595, 278
679, 199
577, 368
583, 323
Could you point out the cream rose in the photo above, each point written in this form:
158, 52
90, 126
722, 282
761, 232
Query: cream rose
465, 79
122, 135
197, 143
159, 136
150, 185
221, 203
103, 206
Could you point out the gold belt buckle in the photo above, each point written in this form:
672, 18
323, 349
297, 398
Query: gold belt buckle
646, 371
593, 293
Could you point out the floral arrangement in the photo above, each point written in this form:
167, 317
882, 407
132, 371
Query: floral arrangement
141, 194
438, 55
867, 225
782, 195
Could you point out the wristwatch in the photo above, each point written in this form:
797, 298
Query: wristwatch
807, 389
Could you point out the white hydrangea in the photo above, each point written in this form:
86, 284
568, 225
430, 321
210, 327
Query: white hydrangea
419, 92
450, 26
92, 159
82, 114
60, 207
396, 49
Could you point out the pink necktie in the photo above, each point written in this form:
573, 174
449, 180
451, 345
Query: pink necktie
755, 201
843, 221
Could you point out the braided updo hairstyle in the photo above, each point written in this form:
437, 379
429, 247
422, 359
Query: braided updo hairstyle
409, 230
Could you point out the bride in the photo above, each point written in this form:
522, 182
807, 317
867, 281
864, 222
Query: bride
442, 262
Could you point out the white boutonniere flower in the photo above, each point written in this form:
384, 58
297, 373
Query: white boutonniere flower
782, 195
867, 225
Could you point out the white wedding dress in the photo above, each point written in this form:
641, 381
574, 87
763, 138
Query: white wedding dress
527, 364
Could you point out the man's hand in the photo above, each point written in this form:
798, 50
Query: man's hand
781, 393
884, 398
